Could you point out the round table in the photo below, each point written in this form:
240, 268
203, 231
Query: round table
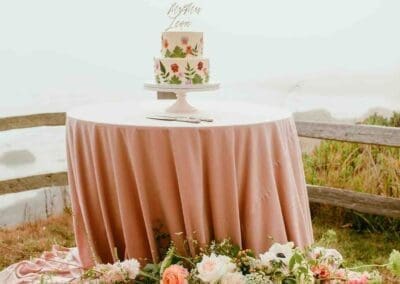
137, 183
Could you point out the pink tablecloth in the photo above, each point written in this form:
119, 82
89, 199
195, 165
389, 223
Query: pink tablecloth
132, 179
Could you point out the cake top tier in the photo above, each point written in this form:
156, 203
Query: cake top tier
181, 44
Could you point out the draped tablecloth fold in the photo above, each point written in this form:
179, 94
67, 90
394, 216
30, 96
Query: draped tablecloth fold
134, 180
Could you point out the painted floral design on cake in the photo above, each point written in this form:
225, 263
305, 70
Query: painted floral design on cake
181, 71
182, 44
182, 61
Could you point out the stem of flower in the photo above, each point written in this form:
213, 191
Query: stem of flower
145, 274
369, 265
185, 258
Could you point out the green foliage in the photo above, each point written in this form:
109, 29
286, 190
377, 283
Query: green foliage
150, 272
168, 259
176, 53
394, 262
395, 119
175, 80
197, 79
162, 67
195, 50
168, 53
364, 168
328, 238
189, 73
376, 119
226, 247
164, 74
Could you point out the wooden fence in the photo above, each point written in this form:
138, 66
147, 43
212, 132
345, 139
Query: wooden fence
358, 201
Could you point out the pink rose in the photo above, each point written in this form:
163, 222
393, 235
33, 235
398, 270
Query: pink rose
363, 279
321, 271
175, 274
341, 273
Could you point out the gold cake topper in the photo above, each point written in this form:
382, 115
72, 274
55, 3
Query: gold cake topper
179, 15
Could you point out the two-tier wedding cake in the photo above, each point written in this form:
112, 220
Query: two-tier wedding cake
182, 61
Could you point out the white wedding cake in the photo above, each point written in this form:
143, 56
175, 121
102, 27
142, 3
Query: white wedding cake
182, 61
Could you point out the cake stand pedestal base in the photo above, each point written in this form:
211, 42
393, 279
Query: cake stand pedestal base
181, 105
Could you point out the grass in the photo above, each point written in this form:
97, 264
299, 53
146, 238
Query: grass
364, 168
357, 247
30, 240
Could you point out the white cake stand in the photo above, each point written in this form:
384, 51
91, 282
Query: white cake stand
181, 105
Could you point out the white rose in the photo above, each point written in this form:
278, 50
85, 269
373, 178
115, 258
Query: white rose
213, 267
233, 278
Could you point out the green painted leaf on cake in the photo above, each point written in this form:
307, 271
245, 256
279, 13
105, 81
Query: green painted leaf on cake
162, 67
158, 79
197, 79
195, 51
207, 79
178, 53
168, 53
175, 80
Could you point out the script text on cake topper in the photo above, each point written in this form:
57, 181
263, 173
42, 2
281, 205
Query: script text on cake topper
179, 13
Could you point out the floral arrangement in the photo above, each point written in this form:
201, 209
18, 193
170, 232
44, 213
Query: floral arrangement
223, 263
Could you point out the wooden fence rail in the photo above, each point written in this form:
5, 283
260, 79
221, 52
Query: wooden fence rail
358, 201
367, 134
32, 120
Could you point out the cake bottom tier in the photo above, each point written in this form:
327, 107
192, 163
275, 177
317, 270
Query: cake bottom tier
181, 71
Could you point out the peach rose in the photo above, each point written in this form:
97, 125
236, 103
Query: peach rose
321, 271
175, 274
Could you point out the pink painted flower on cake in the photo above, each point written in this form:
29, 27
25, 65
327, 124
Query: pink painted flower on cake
175, 274
200, 65
189, 50
165, 43
174, 67
184, 40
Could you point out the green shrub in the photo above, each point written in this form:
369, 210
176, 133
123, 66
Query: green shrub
364, 168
